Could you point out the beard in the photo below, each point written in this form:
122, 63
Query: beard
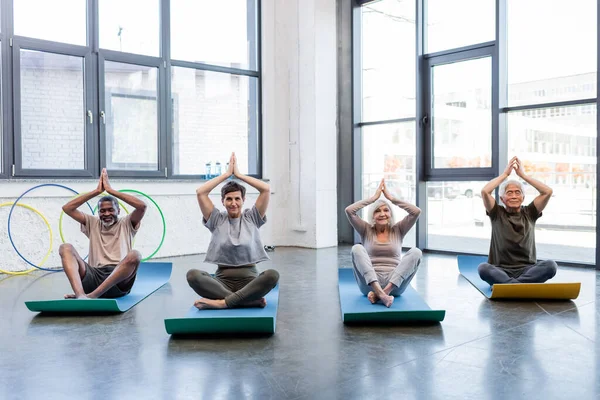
108, 224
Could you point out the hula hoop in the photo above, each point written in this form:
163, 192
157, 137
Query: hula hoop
161, 216
10, 216
62, 213
49, 231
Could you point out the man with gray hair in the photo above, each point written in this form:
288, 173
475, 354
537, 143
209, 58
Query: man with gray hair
512, 257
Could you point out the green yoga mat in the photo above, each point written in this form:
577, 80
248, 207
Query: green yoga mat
150, 277
357, 308
237, 320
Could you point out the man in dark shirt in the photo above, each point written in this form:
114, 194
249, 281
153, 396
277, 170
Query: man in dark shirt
512, 257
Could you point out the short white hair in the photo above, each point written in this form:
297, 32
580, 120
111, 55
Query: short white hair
375, 206
502, 190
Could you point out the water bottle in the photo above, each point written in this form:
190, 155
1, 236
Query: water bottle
208, 169
217, 168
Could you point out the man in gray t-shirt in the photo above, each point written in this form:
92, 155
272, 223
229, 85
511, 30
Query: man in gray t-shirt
512, 257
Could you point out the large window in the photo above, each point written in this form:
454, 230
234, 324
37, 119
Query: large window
386, 122
458, 23
495, 79
166, 95
551, 57
389, 153
215, 106
388, 75
461, 114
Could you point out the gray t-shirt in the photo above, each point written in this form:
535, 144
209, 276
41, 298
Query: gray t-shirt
235, 241
513, 237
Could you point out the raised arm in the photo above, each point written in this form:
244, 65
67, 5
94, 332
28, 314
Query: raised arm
541, 201
486, 193
206, 205
138, 205
352, 210
71, 208
413, 211
264, 190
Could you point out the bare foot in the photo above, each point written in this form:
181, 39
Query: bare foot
372, 297
73, 296
387, 300
208, 304
262, 303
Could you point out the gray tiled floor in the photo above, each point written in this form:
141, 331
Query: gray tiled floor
483, 349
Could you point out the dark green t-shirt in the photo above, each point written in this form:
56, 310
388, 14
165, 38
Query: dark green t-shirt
513, 237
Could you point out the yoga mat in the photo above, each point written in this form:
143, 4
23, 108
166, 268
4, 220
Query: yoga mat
467, 265
357, 308
234, 320
150, 277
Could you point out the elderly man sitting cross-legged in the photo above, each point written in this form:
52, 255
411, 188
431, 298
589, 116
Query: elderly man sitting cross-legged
112, 264
512, 257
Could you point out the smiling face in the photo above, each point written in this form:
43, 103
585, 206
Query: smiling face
233, 202
513, 196
382, 215
108, 212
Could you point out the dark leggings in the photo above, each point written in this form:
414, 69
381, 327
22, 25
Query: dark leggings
537, 273
237, 285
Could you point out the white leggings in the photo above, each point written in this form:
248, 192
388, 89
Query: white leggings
399, 277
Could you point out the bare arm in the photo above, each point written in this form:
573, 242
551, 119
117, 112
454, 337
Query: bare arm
138, 205
541, 201
486, 193
71, 208
206, 205
264, 190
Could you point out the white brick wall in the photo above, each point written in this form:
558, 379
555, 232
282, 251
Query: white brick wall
211, 117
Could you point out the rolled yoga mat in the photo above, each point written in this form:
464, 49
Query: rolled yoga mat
357, 308
234, 320
467, 265
150, 277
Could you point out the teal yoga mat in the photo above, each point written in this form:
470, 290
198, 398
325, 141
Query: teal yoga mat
357, 308
150, 277
237, 320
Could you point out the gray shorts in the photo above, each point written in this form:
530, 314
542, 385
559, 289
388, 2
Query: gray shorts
94, 276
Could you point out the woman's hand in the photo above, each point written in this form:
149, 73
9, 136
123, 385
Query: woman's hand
378, 192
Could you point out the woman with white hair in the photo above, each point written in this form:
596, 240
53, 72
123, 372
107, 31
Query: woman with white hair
379, 268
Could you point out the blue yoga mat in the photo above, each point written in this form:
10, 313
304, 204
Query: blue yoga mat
150, 277
467, 265
357, 308
235, 320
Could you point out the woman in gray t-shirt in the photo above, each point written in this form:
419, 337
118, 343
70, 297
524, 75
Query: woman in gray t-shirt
379, 268
235, 245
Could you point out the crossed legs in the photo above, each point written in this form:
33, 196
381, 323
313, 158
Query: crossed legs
538, 273
399, 279
221, 292
75, 269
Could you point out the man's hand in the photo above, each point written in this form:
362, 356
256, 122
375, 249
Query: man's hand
512, 165
519, 169
100, 187
105, 182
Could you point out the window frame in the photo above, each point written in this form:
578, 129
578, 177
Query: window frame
95, 134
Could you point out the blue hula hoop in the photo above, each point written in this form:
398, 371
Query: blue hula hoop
10, 216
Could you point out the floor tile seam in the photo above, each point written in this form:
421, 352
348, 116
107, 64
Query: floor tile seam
554, 317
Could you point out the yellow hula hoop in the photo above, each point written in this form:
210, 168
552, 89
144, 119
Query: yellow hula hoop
49, 231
